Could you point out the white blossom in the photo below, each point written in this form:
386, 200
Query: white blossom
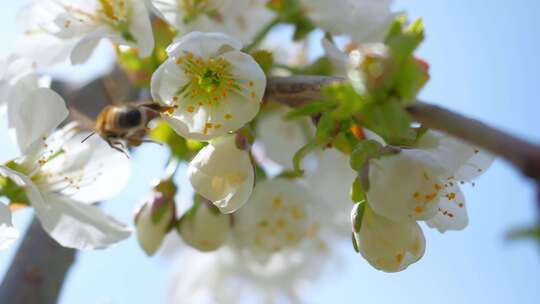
213, 86
276, 217
206, 229
223, 174
331, 182
387, 245
241, 19
463, 162
425, 181
280, 243
58, 29
60, 175
363, 20
406, 186
282, 138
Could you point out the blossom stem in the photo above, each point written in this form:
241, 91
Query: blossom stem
262, 34
173, 164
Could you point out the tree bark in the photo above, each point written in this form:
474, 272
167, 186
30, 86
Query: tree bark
38, 270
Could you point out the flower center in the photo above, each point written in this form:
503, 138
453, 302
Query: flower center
284, 226
114, 13
193, 9
209, 82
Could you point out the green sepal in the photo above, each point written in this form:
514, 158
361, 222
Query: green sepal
13, 192
357, 216
362, 152
357, 191
390, 121
355, 245
264, 58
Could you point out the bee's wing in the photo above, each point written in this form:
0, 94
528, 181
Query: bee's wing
84, 121
117, 88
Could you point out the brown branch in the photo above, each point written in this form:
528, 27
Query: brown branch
37, 273
297, 90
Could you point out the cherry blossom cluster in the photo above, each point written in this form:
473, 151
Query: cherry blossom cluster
266, 223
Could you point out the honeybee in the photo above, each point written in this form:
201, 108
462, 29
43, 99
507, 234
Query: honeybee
121, 122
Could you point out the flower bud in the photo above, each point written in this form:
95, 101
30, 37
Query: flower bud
155, 216
389, 246
223, 174
204, 227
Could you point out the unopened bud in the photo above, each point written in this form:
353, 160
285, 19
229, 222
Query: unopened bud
204, 227
155, 217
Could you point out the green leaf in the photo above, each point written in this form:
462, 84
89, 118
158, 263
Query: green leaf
363, 150
408, 74
527, 233
310, 109
321, 66
357, 215
264, 58
390, 121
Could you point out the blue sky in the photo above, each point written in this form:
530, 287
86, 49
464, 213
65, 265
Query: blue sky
484, 63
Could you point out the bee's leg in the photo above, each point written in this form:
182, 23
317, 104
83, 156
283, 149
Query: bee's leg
118, 146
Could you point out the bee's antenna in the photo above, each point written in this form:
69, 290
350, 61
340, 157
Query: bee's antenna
87, 137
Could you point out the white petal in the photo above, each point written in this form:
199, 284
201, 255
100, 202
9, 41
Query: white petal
462, 160
103, 171
150, 234
406, 186
203, 44
36, 116
240, 196
85, 47
277, 216
222, 174
338, 58
141, 28
8, 234
166, 81
364, 20
71, 224
76, 225
475, 166
390, 246
205, 231
282, 138
452, 213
